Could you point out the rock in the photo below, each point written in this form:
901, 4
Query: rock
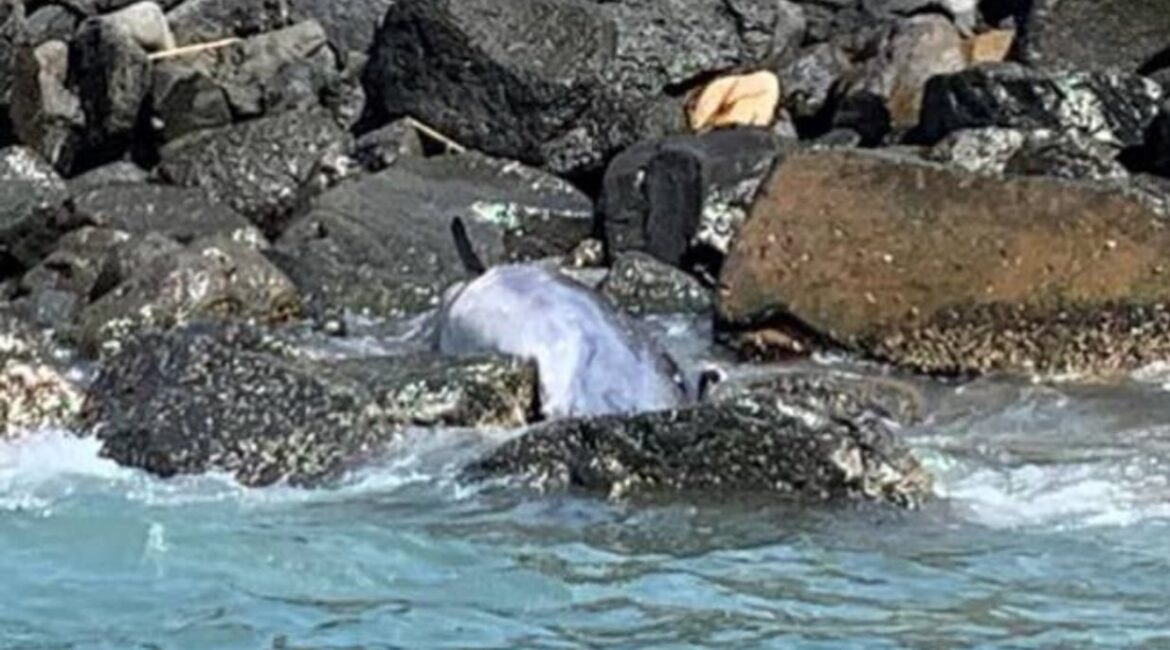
1123, 35
34, 393
1113, 108
12, 35
382, 245
682, 198
436, 390
1041, 152
31, 219
809, 78
992, 46
748, 445
255, 167
209, 398
185, 99
1025, 274
819, 396
1157, 146
380, 148
146, 23
46, 115
215, 279
351, 25
23, 164
110, 73
202, 21
916, 50
179, 213
640, 284
560, 85
73, 267
115, 173
52, 22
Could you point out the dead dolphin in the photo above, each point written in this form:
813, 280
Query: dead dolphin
590, 358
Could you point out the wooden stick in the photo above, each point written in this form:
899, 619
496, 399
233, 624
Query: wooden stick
194, 49
451, 144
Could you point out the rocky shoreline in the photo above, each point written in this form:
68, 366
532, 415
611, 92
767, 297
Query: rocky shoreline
943, 186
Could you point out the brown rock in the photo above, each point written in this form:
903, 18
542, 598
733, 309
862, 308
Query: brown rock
991, 46
948, 271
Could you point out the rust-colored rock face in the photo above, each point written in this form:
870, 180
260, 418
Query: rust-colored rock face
944, 270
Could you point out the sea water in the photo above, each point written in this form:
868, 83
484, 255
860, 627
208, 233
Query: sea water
1051, 530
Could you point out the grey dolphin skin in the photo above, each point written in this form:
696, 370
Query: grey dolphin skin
590, 358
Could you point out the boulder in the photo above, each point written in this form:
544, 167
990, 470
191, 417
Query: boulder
682, 198
378, 149
12, 35
72, 269
202, 21
146, 23
34, 392
1040, 152
351, 25
822, 395
748, 445
185, 99
52, 22
1111, 107
1124, 35
1024, 273
255, 167
640, 284
183, 214
31, 214
560, 85
916, 50
110, 74
46, 114
116, 173
209, 279
234, 399
382, 245
809, 78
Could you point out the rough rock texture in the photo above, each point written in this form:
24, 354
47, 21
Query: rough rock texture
835, 246
46, 114
808, 79
31, 217
746, 445
1041, 152
1130, 35
255, 167
1111, 107
200, 21
146, 23
819, 395
12, 32
115, 173
351, 25
180, 213
640, 284
562, 85
110, 74
73, 269
52, 22
34, 393
382, 245
211, 278
682, 198
235, 399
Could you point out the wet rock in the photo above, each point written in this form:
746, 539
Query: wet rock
682, 198
560, 85
34, 392
255, 167
351, 25
208, 398
182, 214
382, 245
52, 22
1011, 260
116, 173
146, 23
436, 390
202, 21
1099, 34
1113, 108
216, 279
916, 50
820, 396
46, 115
641, 284
110, 74
747, 445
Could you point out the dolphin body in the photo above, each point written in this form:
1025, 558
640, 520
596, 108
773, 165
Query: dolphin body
590, 358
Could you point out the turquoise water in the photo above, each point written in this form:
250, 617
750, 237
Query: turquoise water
1052, 529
